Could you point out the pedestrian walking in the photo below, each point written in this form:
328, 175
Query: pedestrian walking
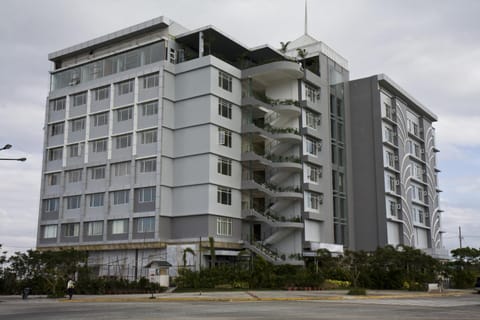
70, 288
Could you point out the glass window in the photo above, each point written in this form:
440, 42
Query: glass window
224, 166
150, 81
99, 145
312, 120
312, 146
79, 99
53, 179
224, 195
146, 194
225, 81
225, 137
121, 169
77, 124
124, 141
100, 119
224, 108
120, 197
95, 228
97, 199
50, 205
55, 154
74, 176
149, 136
56, 129
75, 150
50, 231
145, 224
313, 201
125, 87
147, 165
390, 159
119, 226
124, 114
314, 173
57, 104
224, 227
71, 229
73, 202
311, 93
150, 108
101, 93
97, 172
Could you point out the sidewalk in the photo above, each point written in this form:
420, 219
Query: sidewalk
242, 296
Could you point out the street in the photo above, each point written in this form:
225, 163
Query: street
466, 306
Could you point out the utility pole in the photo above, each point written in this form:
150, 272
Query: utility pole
460, 235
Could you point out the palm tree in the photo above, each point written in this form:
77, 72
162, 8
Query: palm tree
284, 46
184, 258
212, 251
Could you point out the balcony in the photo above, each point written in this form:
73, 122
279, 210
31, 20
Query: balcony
271, 72
272, 190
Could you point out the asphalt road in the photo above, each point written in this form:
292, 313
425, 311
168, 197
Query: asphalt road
450, 307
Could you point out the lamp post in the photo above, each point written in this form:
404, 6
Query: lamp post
8, 146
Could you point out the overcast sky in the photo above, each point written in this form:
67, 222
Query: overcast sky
431, 48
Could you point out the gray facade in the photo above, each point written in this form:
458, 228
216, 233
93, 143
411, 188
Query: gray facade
396, 195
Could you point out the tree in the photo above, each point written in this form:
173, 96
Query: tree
213, 259
184, 257
284, 46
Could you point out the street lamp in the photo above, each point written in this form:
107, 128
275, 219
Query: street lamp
8, 146
5, 147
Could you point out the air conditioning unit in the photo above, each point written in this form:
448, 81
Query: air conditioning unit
396, 158
74, 82
399, 206
422, 151
425, 193
397, 182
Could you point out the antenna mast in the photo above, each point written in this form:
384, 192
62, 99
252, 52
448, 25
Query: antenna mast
306, 17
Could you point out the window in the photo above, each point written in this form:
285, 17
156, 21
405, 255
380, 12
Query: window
124, 114
124, 141
390, 159
119, 226
78, 124
418, 193
314, 200
224, 108
147, 165
312, 94
314, 173
50, 231
125, 87
53, 179
55, 154
225, 137
97, 173
75, 150
101, 93
224, 195
100, 119
74, 176
418, 171
50, 205
146, 195
389, 112
56, 129
150, 81
149, 136
97, 199
95, 228
120, 197
224, 166
99, 145
73, 202
145, 225
312, 119
79, 99
312, 146
71, 229
225, 81
392, 208
57, 104
224, 227
149, 109
392, 184
121, 169
419, 215
389, 135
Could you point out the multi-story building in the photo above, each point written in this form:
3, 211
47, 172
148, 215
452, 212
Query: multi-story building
159, 139
396, 193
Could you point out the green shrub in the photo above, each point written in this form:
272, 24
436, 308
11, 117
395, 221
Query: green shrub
357, 292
